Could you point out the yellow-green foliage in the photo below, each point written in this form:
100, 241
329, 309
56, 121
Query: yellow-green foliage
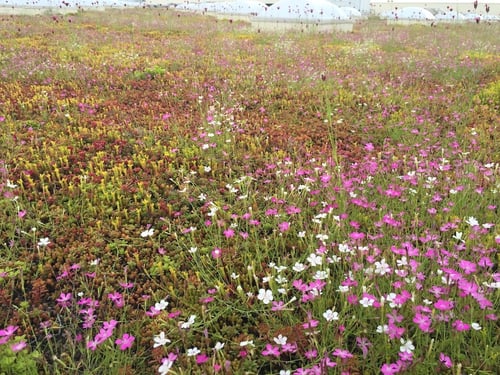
490, 95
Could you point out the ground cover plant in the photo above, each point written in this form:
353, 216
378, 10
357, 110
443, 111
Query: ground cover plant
184, 195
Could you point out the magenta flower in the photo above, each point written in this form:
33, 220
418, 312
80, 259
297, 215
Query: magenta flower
390, 369
110, 326
271, 212
467, 267
8, 331
445, 360
18, 346
92, 345
363, 344
356, 236
467, 287
206, 300
229, 232
271, 350
153, 312
311, 323
460, 326
483, 302
394, 331
284, 226
328, 362
117, 299
103, 335
443, 305
310, 354
406, 356
291, 210
300, 285
352, 299
64, 299
216, 253
423, 322
126, 285
289, 348
342, 353
278, 305
201, 358
125, 342
166, 363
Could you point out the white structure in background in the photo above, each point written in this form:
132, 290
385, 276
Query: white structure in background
70, 3
352, 12
409, 13
310, 11
447, 15
464, 7
35, 7
376, 7
236, 7
362, 5
310, 15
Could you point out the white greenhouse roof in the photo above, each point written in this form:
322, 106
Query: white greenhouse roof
449, 15
226, 7
70, 3
304, 10
351, 12
409, 13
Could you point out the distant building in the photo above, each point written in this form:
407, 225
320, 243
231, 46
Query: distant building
377, 7
362, 5
465, 7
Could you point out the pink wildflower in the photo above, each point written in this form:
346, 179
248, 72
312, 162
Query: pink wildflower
467, 266
284, 226
342, 353
18, 346
460, 325
390, 369
117, 299
8, 331
364, 344
423, 322
357, 236
271, 350
229, 232
278, 305
92, 345
201, 358
64, 299
111, 325
443, 305
125, 342
394, 331
126, 285
310, 354
445, 360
